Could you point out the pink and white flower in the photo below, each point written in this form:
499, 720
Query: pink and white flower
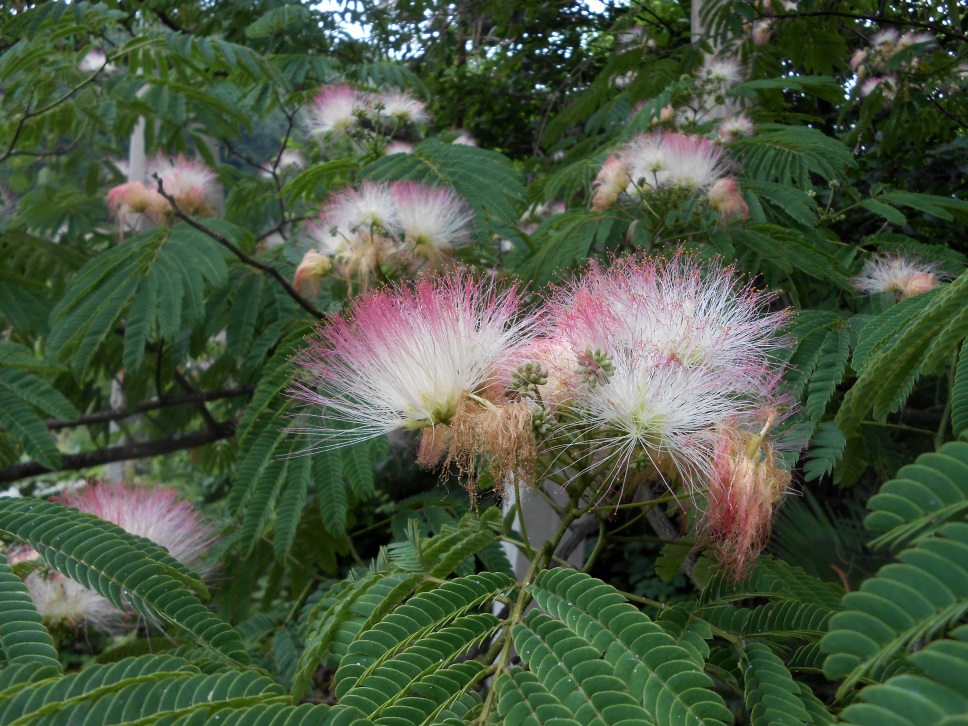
685, 348
188, 181
903, 276
672, 160
401, 106
408, 357
735, 127
335, 108
434, 220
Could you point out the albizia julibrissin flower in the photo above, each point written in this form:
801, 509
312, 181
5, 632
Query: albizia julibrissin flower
667, 352
152, 512
189, 182
745, 487
903, 276
655, 162
420, 356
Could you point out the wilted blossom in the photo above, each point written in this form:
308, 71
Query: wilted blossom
746, 484
667, 352
612, 180
897, 274
725, 198
313, 268
152, 512
424, 356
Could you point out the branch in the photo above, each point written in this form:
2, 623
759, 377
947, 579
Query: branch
268, 269
118, 414
122, 452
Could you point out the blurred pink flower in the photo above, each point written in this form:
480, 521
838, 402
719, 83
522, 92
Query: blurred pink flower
903, 276
155, 513
334, 108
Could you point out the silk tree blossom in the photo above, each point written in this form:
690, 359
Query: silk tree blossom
675, 348
410, 357
398, 147
745, 487
335, 108
433, 220
156, 513
735, 127
190, 183
408, 224
370, 206
723, 71
672, 161
401, 106
902, 276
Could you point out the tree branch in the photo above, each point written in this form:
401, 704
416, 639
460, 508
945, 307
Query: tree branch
118, 414
122, 452
268, 269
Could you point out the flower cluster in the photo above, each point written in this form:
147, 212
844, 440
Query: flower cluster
427, 356
189, 182
154, 513
670, 162
406, 223
872, 65
339, 108
654, 367
902, 276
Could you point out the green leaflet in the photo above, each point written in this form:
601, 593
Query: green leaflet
149, 687
635, 656
772, 696
147, 273
23, 637
890, 357
916, 599
921, 498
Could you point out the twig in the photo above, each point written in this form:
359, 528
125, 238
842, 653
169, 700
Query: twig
222, 240
117, 414
123, 452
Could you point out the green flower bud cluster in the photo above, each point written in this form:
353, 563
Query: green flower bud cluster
542, 421
527, 378
595, 366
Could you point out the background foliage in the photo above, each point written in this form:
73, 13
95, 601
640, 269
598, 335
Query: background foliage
357, 589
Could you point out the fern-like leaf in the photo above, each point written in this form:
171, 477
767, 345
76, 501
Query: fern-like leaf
23, 637
654, 670
130, 571
906, 603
